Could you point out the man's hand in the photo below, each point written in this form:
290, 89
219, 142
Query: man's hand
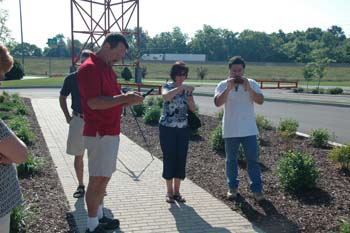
133, 98
246, 84
230, 83
69, 119
4, 160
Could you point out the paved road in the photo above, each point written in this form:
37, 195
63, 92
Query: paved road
309, 116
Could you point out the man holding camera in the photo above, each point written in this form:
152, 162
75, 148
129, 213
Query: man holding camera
102, 101
238, 95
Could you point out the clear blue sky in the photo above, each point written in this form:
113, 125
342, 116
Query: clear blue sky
43, 19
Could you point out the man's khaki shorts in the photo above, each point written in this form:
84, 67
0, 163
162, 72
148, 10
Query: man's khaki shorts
102, 154
75, 144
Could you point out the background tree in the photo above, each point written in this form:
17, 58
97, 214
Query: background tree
202, 72
126, 74
309, 72
4, 31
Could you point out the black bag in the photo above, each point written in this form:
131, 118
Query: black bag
193, 121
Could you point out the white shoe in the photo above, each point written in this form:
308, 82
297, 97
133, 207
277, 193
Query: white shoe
259, 196
232, 194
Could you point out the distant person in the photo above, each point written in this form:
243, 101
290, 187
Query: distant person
174, 133
102, 103
12, 151
238, 95
75, 145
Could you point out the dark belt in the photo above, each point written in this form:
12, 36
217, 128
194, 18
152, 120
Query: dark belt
78, 114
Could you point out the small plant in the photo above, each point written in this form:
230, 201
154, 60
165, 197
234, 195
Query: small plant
298, 90
320, 137
126, 74
220, 114
152, 115
30, 167
341, 155
297, 171
216, 140
18, 215
287, 128
202, 72
139, 110
20, 126
262, 123
344, 226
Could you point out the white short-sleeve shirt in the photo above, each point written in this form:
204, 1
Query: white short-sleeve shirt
239, 115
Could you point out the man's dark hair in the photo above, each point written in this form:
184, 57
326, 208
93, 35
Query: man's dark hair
236, 60
114, 39
178, 68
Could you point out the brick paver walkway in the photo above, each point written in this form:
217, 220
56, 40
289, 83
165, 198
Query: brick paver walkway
136, 192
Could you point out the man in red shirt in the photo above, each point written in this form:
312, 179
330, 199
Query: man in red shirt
102, 102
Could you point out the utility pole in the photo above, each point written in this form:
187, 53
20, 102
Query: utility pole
22, 47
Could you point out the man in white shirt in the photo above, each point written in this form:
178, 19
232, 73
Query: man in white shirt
238, 95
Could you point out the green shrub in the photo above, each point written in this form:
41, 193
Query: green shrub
16, 73
152, 115
17, 122
126, 74
221, 114
152, 100
20, 127
320, 137
341, 155
335, 91
297, 171
139, 110
144, 71
344, 226
216, 141
18, 215
7, 106
2, 99
298, 90
262, 123
30, 167
287, 127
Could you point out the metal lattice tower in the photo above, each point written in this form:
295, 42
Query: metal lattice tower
91, 20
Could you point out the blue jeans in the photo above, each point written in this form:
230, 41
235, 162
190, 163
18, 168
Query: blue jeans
250, 147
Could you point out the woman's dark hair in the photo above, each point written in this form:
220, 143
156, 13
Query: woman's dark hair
114, 39
236, 60
178, 68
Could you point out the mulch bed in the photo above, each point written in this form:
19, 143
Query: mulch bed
316, 210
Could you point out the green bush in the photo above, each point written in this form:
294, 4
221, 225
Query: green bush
287, 127
16, 73
20, 127
202, 72
341, 155
298, 90
153, 100
297, 171
335, 91
139, 110
221, 114
320, 137
216, 141
30, 167
262, 123
152, 115
126, 74
344, 226
17, 218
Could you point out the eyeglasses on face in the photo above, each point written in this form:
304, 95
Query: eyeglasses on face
182, 74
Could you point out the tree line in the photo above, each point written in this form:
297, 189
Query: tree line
220, 44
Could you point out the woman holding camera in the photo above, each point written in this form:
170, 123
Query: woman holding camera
174, 133
12, 150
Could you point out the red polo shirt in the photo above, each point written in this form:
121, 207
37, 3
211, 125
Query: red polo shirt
96, 78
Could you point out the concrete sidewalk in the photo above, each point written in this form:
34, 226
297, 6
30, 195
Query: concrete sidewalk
136, 192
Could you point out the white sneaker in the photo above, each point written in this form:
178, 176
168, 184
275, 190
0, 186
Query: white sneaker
232, 194
259, 196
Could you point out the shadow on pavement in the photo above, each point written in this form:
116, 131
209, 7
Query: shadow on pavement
187, 220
